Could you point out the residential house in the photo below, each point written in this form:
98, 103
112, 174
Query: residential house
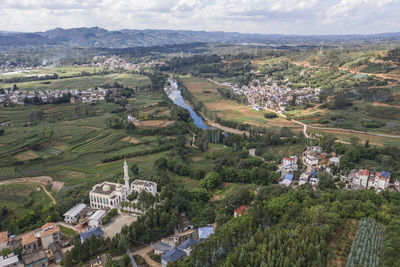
54, 254
96, 231
35, 259
188, 245
397, 185
382, 178
287, 180
334, 161
205, 232
3, 240
311, 160
147, 186
10, 261
95, 219
242, 210
30, 242
161, 248
50, 234
72, 215
172, 255
361, 177
304, 178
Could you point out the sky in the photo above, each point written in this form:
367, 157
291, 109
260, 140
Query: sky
246, 16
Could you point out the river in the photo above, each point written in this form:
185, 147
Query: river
174, 93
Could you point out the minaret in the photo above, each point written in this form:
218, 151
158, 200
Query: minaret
126, 177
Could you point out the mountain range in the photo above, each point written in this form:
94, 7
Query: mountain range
99, 37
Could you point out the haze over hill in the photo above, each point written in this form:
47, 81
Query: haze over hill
99, 37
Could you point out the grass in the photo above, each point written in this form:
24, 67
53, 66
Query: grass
83, 83
20, 198
67, 232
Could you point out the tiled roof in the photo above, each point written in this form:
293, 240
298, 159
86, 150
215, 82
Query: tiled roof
173, 255
242, 209
161, 246
29, 238
205, 232
48, 229
91, 232
188, 243
385, 174
3, 237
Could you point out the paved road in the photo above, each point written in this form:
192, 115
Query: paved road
236, 131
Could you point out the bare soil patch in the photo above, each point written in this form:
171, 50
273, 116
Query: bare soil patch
131, 140
153, 123
27, 155
115, 226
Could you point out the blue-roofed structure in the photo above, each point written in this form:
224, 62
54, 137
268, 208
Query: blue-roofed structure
161, 247
385, 174
313, 174
188, 243
289, 176
96, 231
205, 232
172, 255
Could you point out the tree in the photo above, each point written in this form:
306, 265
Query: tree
354, 140
212, 180
134, 169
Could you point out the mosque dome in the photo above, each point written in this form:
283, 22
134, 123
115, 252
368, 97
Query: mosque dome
106, 188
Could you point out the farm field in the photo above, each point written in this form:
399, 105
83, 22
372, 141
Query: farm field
22, 197
83, 83
206, 92
340, 245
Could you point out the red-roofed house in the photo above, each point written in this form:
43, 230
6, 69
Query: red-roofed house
361, 177
242, 210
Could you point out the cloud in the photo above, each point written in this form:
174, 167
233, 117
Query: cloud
255, 16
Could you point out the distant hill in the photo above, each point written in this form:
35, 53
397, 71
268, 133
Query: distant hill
98, 37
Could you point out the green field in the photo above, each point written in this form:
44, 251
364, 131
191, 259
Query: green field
22, 197
83, 83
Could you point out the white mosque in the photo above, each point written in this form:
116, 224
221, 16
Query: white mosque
110, 195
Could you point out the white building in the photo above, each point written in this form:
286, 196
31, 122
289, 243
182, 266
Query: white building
311, 160
11, 261
95, 219
73, 214
110, 195
361, 178
142, 185
334, 160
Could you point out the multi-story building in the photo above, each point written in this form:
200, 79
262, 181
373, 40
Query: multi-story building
142, 185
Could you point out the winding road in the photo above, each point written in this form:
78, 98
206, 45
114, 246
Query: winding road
305, 126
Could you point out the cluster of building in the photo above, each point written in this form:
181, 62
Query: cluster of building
20, 96
366, 179
40, 247
175, 248
274, 96
115, 62
315, 160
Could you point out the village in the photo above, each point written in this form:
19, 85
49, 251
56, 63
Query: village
110, 208
273, 96
73, 96
315, 161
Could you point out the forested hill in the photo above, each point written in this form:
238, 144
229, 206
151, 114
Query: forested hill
288, 227
99, 37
